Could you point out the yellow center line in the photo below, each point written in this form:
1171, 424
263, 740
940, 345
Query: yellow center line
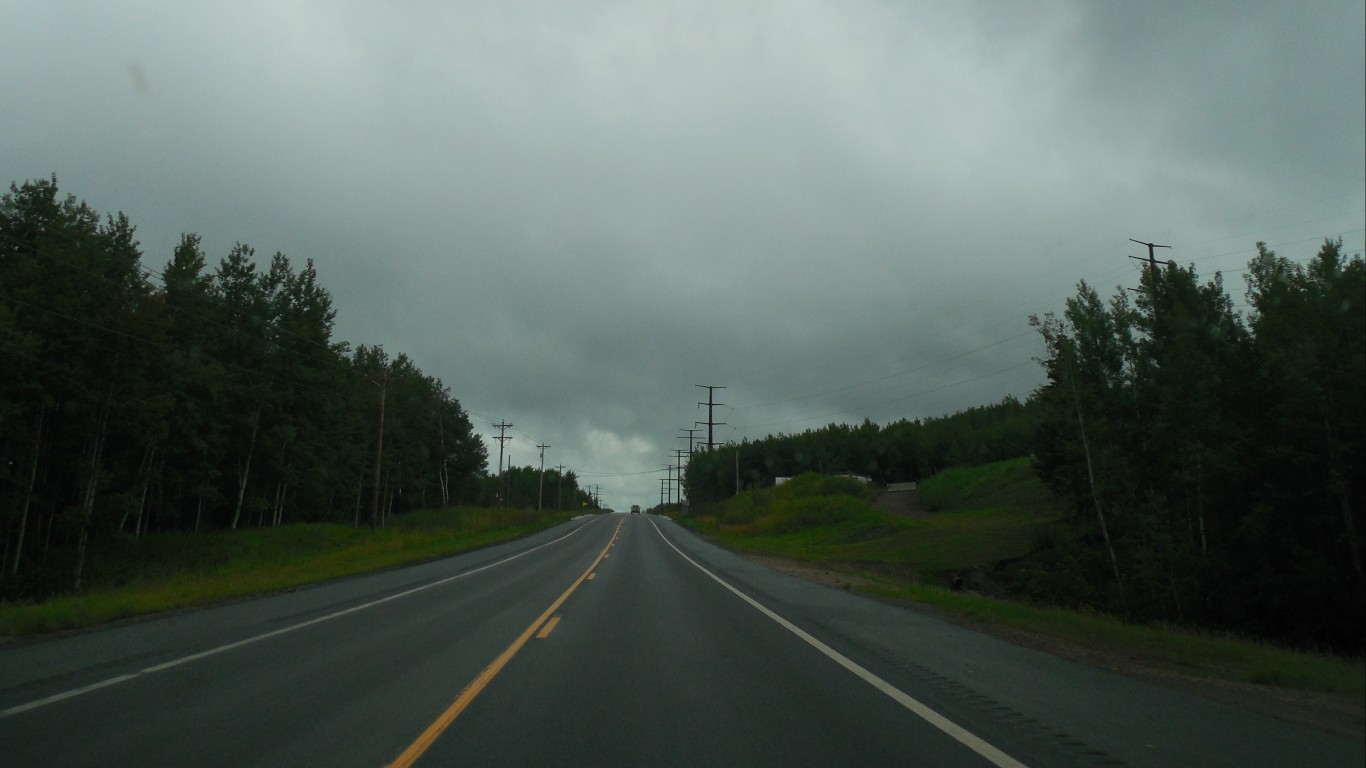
548, 628
462, 702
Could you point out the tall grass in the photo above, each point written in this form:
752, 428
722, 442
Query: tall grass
832, 520
177, 570
1009, 484
1177, 650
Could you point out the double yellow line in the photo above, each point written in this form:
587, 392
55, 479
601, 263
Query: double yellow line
439, 726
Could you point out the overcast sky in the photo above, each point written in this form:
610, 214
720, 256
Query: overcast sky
572, 213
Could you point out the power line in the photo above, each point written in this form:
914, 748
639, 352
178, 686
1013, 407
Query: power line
866, 406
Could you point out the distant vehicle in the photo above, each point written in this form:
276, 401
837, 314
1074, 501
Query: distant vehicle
635, 509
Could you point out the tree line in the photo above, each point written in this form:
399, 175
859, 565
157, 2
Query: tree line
532, 488
902, 451
213, 398
1214, 464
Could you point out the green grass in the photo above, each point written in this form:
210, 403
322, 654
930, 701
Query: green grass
983, 516
1173, 649
1009, 484
178, 570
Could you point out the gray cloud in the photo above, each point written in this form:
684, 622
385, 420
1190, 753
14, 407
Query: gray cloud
573, 214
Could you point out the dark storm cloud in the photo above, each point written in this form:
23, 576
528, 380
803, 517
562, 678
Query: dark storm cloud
573, 214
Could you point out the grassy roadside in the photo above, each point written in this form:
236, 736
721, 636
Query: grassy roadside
170, 571
978, 517
1172, 649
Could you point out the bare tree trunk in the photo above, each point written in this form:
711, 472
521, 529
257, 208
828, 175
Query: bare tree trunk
28, 495
384, 508
359, 485
148, 459
278, 513
1200, 504
47, 538
198, 511
442, 477
246, 468
445, 477
142, 467
1091, 474
147, 516
1338, 485
88, 503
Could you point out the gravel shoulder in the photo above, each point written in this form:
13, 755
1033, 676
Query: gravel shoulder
1321, 711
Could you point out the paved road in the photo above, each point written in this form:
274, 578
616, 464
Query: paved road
611, 640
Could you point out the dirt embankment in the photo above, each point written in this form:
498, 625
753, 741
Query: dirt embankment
901, 504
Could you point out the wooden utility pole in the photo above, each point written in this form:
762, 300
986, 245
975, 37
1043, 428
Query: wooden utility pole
540, 487
502, 437
382, 381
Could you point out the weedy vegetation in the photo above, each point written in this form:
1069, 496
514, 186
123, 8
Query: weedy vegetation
169, 571
992, 519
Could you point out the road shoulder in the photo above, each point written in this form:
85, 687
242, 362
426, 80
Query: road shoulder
1320, 711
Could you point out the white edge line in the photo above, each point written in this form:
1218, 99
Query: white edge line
957, 732
56, 697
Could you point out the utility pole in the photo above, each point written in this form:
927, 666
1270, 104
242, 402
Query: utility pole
1152, 261
689, 438
737, 469
502, 437
559, 484
540, 487
383, 382
711, 391
1152, 270
678, 456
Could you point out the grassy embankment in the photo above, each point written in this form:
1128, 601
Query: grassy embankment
177, 570
979, 517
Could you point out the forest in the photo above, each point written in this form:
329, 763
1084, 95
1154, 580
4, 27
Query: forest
197, 399
1212, 462
902, 451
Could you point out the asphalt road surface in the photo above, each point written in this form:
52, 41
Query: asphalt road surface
611, 640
